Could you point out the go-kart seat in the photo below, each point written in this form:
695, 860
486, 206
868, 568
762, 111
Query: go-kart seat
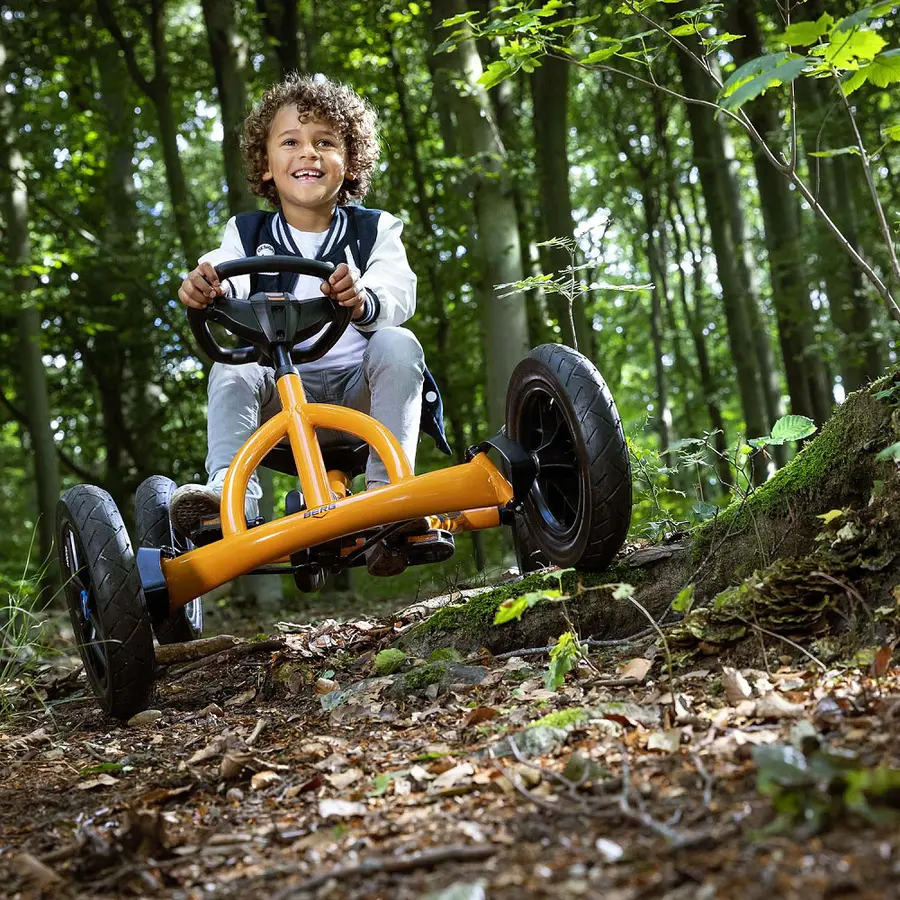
350, 457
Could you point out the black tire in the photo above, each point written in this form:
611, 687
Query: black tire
529, 557
559, 408
154, 529
310, 579
105, 600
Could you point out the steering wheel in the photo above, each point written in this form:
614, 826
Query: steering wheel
269, 319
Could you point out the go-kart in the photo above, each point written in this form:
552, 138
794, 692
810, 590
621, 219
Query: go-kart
563, 484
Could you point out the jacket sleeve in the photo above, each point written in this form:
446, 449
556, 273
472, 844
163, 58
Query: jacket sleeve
230, 248
388, 279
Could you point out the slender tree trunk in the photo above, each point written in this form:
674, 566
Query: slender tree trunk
807, 384
497, 248
710, 161
229, 56
158, 90
35, 395
281, 24
550, 96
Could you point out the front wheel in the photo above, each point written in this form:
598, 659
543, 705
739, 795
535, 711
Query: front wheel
559, 409
105, 600
154, 529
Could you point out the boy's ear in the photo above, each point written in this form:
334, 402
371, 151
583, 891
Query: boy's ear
267, 175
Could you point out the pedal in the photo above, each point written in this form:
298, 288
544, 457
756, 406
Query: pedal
210, 530
433, 546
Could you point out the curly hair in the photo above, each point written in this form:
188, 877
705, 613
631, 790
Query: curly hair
339, 105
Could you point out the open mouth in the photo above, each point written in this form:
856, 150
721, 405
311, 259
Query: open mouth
307, 175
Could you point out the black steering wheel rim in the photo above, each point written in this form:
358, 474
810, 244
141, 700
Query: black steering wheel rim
336, 318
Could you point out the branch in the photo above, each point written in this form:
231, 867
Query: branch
112, 25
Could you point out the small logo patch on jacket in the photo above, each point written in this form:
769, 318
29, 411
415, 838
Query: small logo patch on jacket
265, 250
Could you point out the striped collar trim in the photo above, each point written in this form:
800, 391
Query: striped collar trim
337, 231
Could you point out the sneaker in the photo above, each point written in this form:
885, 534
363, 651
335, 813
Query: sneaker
191, 503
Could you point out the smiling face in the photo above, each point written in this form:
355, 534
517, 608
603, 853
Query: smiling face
307, 162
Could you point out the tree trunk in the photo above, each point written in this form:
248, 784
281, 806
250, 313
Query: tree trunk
229, 56
807, 384
281, 25
158, 90
35, 395
711, 165
550, 96
496, 247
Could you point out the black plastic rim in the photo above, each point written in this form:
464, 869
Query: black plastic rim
544, 432
83, 605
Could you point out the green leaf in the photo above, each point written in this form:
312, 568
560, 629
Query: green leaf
892, 452
802, 34
462, 17
100, 768
516, 606
845, 52
892, 133
884, 70
774, 73
602, 53
685, 600
623, 591
497, 71
838, 151
704, 511
690, 28
863, 15
792, 428
562, 659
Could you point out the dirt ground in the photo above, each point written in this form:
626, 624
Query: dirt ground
257, 775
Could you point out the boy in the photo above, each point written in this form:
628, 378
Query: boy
310, 146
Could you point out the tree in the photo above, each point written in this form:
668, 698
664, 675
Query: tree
497, 246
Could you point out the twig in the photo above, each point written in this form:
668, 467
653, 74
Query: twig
233, 653
406, 863
590, 642
167, 654
793, 644
708, 780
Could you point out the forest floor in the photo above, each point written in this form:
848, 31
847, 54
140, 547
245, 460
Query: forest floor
290, 770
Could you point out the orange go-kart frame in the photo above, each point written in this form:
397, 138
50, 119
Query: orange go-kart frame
476, 489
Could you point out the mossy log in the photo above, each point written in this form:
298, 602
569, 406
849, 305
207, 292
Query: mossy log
770, 561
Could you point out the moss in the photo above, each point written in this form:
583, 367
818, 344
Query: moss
447, 654
419, 678
563, 718
479, 611
389, 661
807, 472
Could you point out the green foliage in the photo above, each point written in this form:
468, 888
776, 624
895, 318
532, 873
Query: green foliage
814, 789
513, 608
566, 651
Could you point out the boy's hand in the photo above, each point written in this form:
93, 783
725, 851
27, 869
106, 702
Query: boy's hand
342, 287
201, 287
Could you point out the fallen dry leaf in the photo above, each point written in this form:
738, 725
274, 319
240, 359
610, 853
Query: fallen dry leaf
636, 668
452, 776
774, 706
341, 780
668, 740
264, 779
736, 686
242, 698
234, 762
146, 717
340, 809
479, 714
103, 780
882, 661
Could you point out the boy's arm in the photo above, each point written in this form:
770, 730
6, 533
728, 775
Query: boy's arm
388, 279
230, 248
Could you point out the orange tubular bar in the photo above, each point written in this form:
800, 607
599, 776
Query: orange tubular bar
469, 486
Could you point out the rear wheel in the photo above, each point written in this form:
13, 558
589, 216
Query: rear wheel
559, 409
154, 529
105, 600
